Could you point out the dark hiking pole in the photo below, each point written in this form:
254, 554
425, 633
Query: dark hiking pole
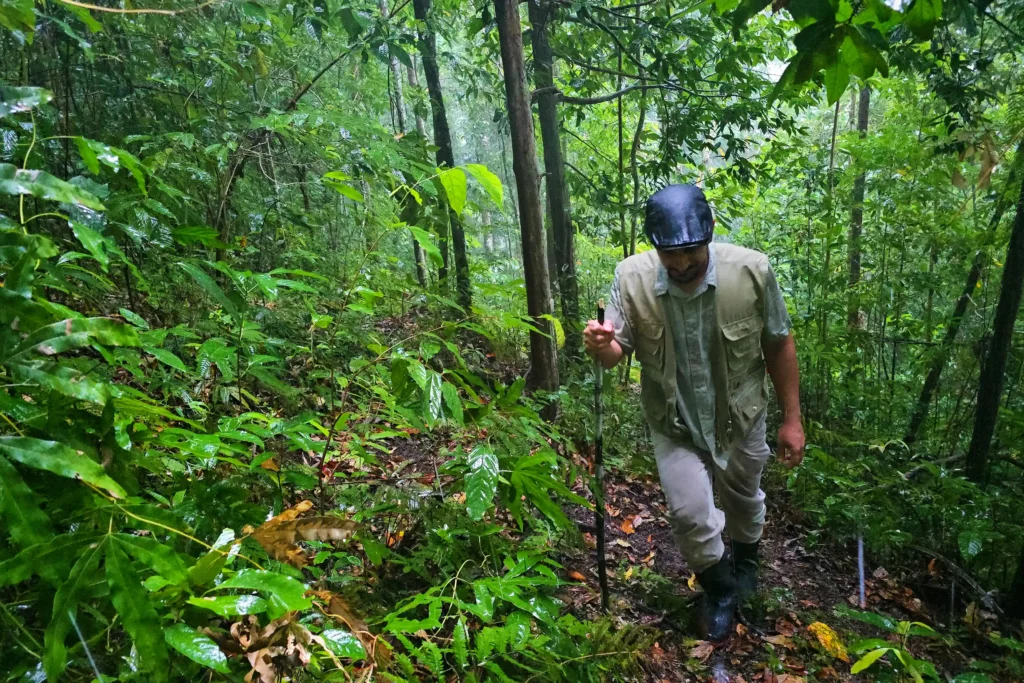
602, 570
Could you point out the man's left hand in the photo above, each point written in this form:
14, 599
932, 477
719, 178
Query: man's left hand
791, 444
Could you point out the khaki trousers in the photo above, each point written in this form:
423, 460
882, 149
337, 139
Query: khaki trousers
690, 477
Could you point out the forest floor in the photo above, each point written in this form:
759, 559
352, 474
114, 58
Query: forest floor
801, 585
651, 585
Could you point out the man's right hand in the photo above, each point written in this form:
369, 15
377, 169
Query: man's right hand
598, 338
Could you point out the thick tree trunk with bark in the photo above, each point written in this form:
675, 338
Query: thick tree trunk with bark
990, 384
443, 140
857, 214
541, 12
543, 355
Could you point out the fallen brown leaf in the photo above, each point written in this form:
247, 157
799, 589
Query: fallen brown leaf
781, 641
576, 576
702, 651
627, 525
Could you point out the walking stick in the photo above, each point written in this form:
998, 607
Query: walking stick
602, 570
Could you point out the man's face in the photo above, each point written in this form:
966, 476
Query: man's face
685, 266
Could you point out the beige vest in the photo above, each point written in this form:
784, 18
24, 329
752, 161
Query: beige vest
737, 364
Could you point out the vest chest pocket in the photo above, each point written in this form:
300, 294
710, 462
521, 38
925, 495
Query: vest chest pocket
743, 344
650, 343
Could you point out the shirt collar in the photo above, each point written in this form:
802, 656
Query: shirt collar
662, 283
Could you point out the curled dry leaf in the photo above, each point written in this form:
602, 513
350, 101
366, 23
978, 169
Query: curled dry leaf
702, 651
279, 536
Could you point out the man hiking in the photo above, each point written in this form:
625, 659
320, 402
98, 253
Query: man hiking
705, 321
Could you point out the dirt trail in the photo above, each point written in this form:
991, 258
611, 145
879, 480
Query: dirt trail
651, 585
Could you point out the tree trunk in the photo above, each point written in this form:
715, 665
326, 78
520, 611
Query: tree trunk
560, 208
443, 140
414, 82
1015, 598
543, 355
931, 382
396, 76
990, 384
857, 215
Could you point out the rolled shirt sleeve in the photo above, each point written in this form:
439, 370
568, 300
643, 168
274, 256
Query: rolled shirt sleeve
615, 315
777, 323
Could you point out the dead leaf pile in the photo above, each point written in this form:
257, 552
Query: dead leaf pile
273, 650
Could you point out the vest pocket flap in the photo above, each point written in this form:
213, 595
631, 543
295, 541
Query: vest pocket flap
742, 328
650, 342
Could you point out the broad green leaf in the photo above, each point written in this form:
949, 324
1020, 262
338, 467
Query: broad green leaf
426, 242
343, 643
156, 555
46, 559
432, 399
211, 287
16, 181
40, 183
167, 358
837, 77
231, 605
970, 544
922, 17
134, 318
454, 182
139, 617
490, 182
27, 524
197, 646
868, 659
481, 481
60, 459
64, 380
285, 593
453, 401
74, 333
18, 100
94, 242
198, 234
345, 190
65, 603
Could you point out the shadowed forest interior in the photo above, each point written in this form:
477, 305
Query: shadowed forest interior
291, 309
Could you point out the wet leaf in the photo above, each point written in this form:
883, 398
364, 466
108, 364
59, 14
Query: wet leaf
196, 646
830, 640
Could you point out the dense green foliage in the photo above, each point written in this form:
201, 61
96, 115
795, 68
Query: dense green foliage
211, 321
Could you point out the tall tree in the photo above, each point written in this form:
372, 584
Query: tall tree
443, 140
541, 13
857, 213
990, 384
543, 354
400, 123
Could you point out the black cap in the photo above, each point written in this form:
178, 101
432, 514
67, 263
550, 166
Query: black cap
678, 216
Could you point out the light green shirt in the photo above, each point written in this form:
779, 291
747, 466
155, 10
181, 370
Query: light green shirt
691, 322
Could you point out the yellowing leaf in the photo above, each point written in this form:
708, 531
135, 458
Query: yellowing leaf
829, 640
629, 574
692, 582
627, 525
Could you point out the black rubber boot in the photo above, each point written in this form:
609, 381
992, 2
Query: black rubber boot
718, 605
746, 563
